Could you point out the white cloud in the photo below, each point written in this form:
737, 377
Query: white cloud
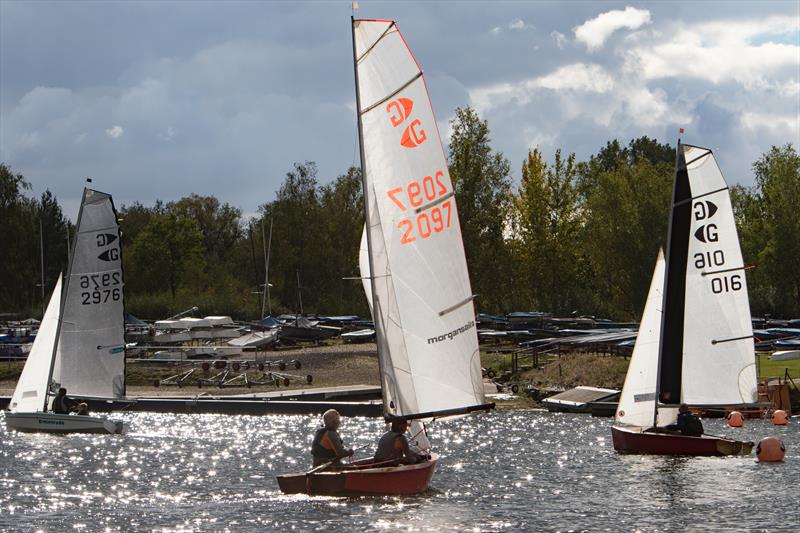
576, 77
518, 25
721, 51
781, 124
560, 39
593, 33
115, 132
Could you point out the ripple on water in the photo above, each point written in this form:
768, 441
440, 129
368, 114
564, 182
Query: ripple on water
501, 471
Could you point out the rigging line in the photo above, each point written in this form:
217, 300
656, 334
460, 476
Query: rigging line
693, 198
714, 341
708, 152
465, 301
436, 202
745, 267
379, 39
391, 95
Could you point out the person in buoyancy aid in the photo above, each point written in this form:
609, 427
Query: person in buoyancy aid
63, 404
394, 445
327, 444
688, 423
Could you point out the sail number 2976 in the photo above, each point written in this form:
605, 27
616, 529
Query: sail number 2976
100, 288
416, 194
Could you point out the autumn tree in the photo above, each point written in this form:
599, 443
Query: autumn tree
482, 184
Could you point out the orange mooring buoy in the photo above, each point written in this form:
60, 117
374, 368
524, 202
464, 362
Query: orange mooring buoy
770, 450
780, 418
735, 419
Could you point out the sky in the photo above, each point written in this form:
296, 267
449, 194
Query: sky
161, 99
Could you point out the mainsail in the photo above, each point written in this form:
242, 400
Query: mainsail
90, 360
31, 390
707, 352
422, 305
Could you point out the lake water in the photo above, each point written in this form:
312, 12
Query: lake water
514, 470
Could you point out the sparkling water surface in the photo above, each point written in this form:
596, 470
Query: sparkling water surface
513, 470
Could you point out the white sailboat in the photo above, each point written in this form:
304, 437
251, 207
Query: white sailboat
695, 341
80, 345
414, 268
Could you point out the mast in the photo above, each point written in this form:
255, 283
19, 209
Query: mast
375, 303
267, 249
673, 294
41, 255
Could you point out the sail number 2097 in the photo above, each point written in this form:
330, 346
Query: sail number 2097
100, 288
415, 194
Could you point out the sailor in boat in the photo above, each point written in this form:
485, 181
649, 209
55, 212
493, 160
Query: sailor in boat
64, 405
393, 445
327, 445
687, 423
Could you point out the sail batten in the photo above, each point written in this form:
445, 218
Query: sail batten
413, 261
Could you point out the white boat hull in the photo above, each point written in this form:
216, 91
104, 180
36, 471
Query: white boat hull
59, 423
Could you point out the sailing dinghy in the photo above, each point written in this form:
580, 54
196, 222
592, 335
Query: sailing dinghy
413, 266
695, 341
80, 344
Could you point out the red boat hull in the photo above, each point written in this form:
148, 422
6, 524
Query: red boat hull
637, 440
361, 479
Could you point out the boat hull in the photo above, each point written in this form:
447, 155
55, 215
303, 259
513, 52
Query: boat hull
59, 423
636, 440
362, 480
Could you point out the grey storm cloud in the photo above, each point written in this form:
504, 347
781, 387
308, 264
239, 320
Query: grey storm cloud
157, 100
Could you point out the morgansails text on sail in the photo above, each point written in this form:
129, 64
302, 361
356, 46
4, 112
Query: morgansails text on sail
449, 336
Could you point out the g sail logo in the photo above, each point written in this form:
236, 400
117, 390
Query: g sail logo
104, 239
399, 113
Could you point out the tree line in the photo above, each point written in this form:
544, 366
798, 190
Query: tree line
572, 237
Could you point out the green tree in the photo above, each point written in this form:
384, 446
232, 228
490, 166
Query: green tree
548, 218
19, 240
166, 255
626, 201
777, 175
296, 233
482, 184
342, 216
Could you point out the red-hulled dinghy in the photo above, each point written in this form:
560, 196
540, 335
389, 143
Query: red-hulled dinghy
417, 286
363, 478
638, 440
695, 341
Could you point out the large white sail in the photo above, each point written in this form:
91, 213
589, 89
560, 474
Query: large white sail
423, 301
91, 348
29, 394
718, 351
637, 401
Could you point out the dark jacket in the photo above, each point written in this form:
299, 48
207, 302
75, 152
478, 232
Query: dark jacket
327, 446
63, 405
689, 424
394, 446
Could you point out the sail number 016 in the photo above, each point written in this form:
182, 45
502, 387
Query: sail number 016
415, 194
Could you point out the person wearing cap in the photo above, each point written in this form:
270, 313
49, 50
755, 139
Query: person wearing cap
688, 423
393, 445
327, 445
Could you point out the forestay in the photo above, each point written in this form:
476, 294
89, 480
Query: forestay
423, 307
31, 390
91, 349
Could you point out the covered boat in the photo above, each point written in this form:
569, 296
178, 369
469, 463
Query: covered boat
695, 341
412, 265
80, 345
